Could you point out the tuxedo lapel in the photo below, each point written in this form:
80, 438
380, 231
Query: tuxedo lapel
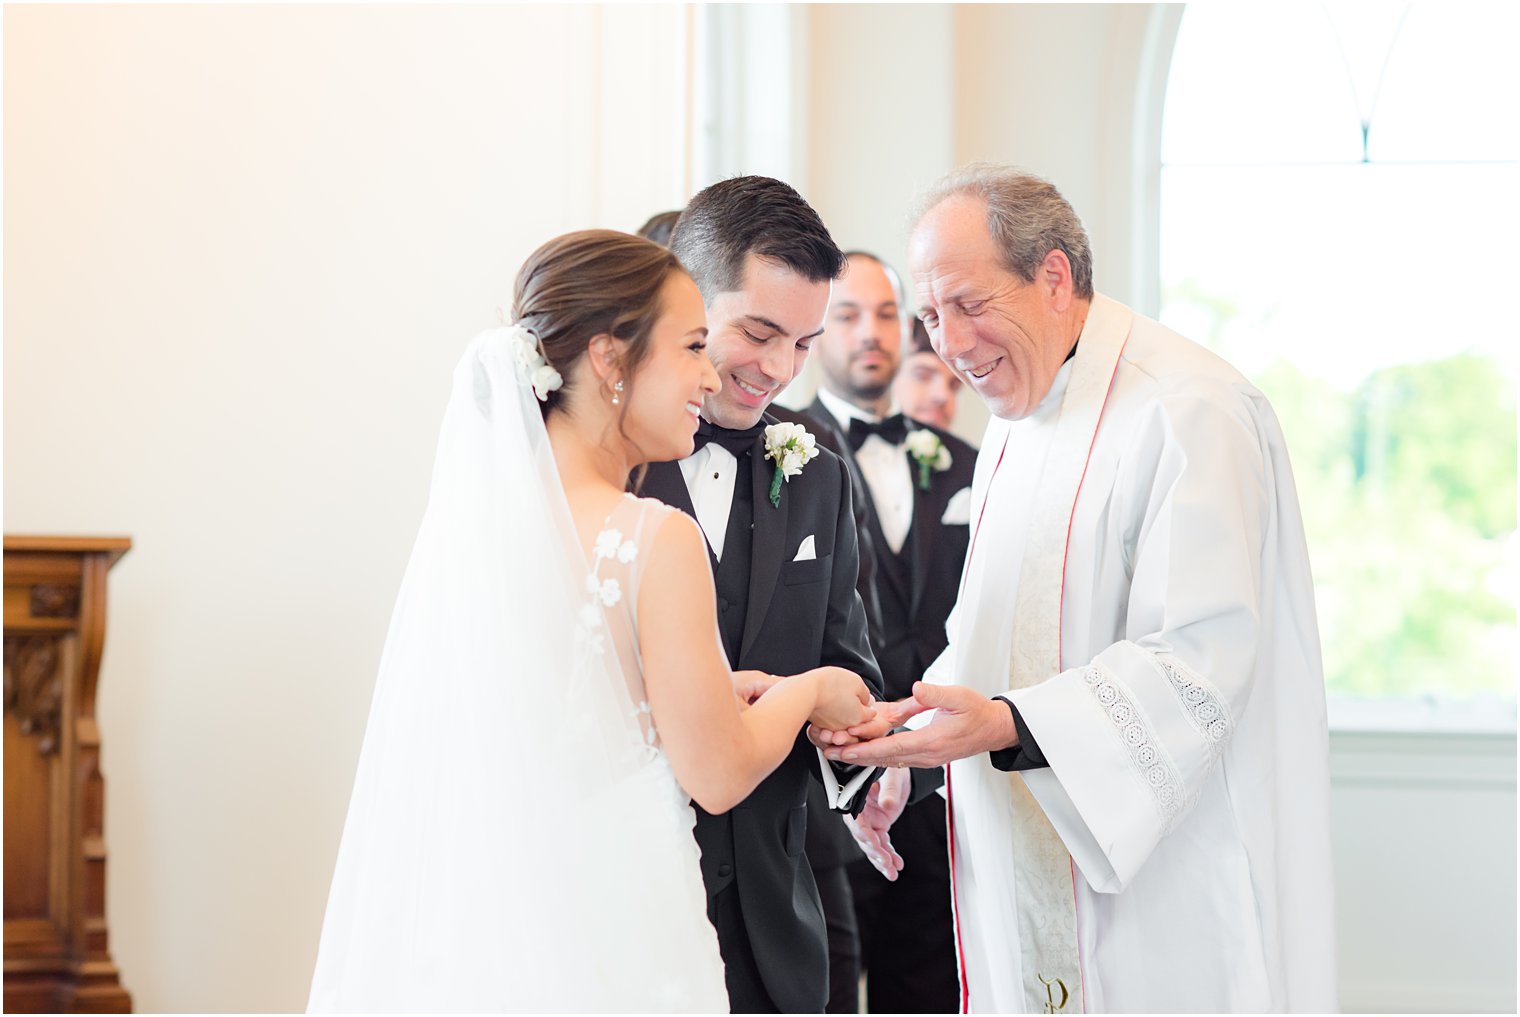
820, 413
926, 512
767, 547
666, 482
826, 419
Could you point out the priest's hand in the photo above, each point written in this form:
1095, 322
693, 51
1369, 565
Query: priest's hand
965, 723
884, 804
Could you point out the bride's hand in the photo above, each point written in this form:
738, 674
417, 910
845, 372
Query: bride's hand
843, 700
751, 685
889, 717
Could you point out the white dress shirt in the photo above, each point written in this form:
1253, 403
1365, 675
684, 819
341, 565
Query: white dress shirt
889, 476
710, 473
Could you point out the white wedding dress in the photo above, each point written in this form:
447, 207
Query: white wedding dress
516, 840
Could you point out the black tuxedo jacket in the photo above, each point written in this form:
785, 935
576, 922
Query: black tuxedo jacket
829, 842
799, 615
916, 591
860, 499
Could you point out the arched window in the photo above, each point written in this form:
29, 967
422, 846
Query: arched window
1338, 219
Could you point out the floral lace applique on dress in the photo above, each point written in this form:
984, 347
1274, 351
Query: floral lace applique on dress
611, 601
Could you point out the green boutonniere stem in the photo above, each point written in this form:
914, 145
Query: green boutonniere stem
776, 479
923, 475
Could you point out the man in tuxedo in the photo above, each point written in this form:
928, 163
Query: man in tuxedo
785, 572
918, 501
830, 847
926, 389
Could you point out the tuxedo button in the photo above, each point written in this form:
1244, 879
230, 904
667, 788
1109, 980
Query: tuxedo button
722, 603
725, 869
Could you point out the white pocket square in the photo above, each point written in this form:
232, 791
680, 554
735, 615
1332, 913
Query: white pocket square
806, 552
958, 511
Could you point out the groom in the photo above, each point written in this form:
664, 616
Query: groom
785, 572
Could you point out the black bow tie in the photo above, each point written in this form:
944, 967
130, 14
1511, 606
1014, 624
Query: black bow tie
893, 430
736, 441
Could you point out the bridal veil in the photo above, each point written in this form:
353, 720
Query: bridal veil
513, 842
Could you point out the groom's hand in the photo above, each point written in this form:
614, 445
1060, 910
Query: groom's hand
965, 723
751, 685
884, 803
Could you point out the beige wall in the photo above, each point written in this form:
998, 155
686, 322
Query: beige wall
244, 247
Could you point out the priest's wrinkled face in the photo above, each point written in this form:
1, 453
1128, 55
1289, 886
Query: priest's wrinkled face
1004, 337
861, 343
758, 338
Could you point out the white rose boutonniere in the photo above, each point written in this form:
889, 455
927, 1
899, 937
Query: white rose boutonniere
792, 448
929, 452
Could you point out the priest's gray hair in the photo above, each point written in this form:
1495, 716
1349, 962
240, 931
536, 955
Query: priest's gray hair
1027, 217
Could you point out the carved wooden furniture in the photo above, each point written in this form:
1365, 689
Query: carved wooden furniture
56, 959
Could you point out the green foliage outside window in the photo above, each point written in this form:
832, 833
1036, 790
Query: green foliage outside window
1407, 483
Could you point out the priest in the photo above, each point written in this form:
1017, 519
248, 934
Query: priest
1131, 704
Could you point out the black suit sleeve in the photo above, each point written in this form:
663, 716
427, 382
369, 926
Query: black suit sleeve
846, 636
923, 783
1026, 755
865, 585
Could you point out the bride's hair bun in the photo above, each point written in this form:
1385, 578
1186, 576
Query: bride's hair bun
589, 283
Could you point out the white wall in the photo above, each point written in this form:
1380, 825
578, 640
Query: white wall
1424, 832
244, 247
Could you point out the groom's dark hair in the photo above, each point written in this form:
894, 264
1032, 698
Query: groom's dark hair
727, 222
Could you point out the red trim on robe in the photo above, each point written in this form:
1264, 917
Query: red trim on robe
1061, 619
960, 952
955, 913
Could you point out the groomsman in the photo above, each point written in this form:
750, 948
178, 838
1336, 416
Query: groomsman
926, 388
785, 560
918, 481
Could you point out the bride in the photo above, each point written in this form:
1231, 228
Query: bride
553, 691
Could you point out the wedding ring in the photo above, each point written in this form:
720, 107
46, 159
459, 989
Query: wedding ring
900, 766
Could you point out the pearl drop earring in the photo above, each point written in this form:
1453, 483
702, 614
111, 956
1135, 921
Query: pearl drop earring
618, 387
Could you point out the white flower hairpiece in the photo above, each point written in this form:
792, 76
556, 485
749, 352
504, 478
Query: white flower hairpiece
532, 362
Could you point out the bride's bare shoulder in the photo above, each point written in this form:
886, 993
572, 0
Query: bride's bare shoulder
677, 572
672, 531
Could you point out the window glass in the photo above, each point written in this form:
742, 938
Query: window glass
1362, 284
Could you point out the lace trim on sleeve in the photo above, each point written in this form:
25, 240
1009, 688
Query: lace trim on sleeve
1204, 706
1151, 763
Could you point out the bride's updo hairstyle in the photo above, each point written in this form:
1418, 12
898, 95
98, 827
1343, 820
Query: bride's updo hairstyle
587, 283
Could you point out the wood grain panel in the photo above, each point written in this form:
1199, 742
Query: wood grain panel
56, 939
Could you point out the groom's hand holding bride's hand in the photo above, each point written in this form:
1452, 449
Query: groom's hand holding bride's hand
751, 685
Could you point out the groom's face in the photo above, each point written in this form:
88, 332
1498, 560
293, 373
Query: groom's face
758, 338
